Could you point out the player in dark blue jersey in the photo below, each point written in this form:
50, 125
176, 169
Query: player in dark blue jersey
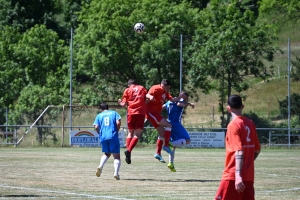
179, 136
107, 124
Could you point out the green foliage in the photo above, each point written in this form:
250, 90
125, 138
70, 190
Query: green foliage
294, 103
295, 72
229, 46
281, 10
25, 14
108, 49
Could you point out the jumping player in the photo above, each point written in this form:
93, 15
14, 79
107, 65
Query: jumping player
179, 135
242, 148
157, 96
134, 97
107, 124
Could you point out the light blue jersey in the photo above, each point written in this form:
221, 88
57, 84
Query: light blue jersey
106, 121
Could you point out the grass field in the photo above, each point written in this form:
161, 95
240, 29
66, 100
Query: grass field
69, 173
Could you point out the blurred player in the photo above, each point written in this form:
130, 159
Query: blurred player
179, 136
134, 97
158, 95
107, 124
242, 148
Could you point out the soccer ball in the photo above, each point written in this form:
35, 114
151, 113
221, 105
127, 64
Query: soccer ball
139, 27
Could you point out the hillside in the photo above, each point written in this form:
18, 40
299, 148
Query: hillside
262, 97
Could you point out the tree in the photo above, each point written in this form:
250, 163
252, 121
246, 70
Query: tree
295, 73
286, 10
108, 50
229, 47
295, 106
11, 74
24, 14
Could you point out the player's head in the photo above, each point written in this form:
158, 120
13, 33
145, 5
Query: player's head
184, 95
166, 84
235, 103
103, 106
131, 82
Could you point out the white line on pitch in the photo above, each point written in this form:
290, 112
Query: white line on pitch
61, 192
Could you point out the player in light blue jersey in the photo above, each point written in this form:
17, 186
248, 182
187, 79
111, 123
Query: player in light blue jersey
179, 136
107, 124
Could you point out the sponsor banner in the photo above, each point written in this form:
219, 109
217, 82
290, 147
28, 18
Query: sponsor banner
89, 138
207, 139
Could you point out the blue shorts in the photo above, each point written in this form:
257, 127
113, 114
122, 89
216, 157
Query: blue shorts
179, 132
111, 146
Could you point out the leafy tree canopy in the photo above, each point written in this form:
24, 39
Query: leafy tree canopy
108, 49
229, 47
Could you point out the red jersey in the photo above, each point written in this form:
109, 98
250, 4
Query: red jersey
241, 135
159, 98
135, 96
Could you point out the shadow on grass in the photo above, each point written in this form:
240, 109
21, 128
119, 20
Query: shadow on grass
177, 180
21, 195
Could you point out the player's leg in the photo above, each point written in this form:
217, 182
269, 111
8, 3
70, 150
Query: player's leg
180, 136
128, 143
154, 119
103, 158
115, 149
159, 144
171, 160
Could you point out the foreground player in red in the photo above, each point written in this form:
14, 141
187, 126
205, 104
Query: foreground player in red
158, 95
242, 148
134, 97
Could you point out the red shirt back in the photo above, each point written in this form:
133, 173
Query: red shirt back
159, 98
241, 135
135, 96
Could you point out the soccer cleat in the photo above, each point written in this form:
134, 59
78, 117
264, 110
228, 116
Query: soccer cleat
128, 156
158, 157
117, 177
168, 149
171, 167
98, 172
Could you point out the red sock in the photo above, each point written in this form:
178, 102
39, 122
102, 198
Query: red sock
167, 137
128, 141
133, 143
159, 144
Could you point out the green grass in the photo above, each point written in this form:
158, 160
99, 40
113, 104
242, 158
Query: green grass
69, 173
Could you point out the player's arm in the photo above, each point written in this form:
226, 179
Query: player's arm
149, 97
122, 103
185, 104
118, 122
96, 126
239, 158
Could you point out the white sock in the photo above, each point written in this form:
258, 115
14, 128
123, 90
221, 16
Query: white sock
103, 160
179, 142
172, 156
117, 165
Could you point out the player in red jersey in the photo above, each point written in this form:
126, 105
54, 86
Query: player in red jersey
242, 148
134, 97
158, 95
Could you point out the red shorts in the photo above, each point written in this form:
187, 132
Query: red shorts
154, 118
135, 121
227, 191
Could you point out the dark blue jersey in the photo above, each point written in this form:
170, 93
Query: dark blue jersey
174, 111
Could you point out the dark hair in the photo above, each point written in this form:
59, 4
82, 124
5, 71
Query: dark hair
165, 82
235, 101
103, 106
185, 93
132, 82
